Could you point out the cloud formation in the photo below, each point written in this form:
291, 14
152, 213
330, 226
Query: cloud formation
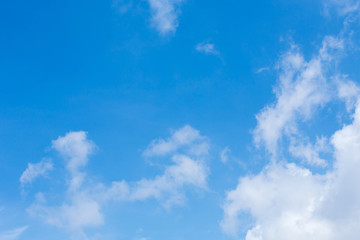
207, 48
287, 200
165, 15
290, 202
35, 170
84, 198
343, 7
302, 88
185, 137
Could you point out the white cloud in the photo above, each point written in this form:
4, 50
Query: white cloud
75, 148
36, 170
302, 88
207, 48
185, 136
280, 198
81, 212
84, 198
81, 207
224, 155
289, 202
309, 152
167, 187
348, 91
165, 15
13, 234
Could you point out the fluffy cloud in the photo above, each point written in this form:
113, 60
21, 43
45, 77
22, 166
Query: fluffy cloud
79, 209
84, 198
281, 199
79, 212
288, 200
184, 137
187, 149
13, 234
75, 148
165, 15
310, 153
303, 87
36, 170
185, 172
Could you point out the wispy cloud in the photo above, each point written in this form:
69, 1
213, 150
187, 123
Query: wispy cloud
207, 48
36, 170
224, 155
185, 137
165, 15
13, 234
343, 7
263, 69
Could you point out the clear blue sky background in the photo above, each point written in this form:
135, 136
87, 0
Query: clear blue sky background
89, 66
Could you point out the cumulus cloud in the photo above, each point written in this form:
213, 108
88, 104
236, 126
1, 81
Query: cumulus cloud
165, 15
348, 91
288, 200
187, 149
207, 48
82, 203
281, 199
79, 209
75, 148
13, 234
79, 212
310, 153
36, 170
303, 87
185, 172
184, 137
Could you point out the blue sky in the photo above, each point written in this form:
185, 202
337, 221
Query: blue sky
179, 119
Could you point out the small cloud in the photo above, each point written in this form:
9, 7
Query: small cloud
36, 170
263, 69
165, 15
207, 48
75, 148
185, 136
224, 155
